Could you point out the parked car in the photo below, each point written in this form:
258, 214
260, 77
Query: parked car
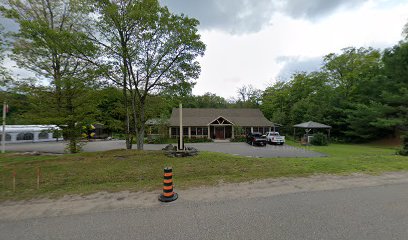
256, 138
275, 138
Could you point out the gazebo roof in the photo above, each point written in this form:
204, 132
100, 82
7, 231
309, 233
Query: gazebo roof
312, 125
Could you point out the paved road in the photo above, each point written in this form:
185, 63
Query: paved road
241, 149
379, 212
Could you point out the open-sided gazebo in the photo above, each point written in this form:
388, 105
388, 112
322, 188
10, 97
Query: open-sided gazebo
310, 126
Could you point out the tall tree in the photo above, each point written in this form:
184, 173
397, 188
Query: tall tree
48, 40
394, 96
248, 96
154, 50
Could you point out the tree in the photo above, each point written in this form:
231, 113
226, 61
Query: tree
394, 95
47, 43
5, 77
153, 50
248, 96
354, 72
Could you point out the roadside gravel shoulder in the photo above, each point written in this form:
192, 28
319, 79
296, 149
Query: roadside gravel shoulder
104, 201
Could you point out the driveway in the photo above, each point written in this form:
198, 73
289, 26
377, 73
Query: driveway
239, 149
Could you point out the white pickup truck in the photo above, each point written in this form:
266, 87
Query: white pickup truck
275, 138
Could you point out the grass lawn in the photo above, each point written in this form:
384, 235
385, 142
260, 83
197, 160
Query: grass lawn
142, 170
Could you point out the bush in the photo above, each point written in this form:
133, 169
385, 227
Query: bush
160, 140
404, 150
239, 139
197, 140
319, 139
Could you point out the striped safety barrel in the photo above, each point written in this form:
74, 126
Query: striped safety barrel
168, 194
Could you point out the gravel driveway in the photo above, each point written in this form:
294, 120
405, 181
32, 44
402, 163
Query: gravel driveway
239, 149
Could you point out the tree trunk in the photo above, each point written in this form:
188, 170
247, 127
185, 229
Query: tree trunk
140, 136
72, 130
128, 136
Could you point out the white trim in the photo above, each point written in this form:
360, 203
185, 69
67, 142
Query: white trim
210, 123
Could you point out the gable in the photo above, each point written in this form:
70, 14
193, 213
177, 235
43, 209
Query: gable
220, 121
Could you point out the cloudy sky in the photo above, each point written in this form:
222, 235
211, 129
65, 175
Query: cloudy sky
261, 41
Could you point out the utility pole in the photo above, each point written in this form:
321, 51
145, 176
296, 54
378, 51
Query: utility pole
3, 135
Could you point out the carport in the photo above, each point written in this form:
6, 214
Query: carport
311, 126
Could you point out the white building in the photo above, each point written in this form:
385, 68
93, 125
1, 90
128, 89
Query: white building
30, 133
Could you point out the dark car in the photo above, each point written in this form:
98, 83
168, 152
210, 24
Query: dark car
256, 138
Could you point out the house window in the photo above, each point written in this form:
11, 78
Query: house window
205, 131
175, 131
199, 131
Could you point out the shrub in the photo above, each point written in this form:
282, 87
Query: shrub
197, 140
238, 139
160, 140
319, 139
404, 150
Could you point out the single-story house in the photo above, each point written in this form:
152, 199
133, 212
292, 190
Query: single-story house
215, 123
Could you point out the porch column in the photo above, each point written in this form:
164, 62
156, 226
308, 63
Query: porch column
209, 136
270, 129
50, 135
189, 132
232, 132
252, 129
169, 132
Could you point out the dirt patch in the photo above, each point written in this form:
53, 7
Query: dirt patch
104, 201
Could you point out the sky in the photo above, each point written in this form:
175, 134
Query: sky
259, 42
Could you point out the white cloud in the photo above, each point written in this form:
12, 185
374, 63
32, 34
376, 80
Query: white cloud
234, 60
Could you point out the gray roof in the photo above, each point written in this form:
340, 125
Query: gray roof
242, 117
311, 125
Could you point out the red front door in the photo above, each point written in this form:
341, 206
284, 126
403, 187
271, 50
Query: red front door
219, 133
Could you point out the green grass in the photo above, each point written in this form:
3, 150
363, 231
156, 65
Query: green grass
118, 170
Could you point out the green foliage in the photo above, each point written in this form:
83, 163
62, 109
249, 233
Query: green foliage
238, 139
319, 139
5, 78
149, 51
361, 93
404, 150
197, 140
48, 42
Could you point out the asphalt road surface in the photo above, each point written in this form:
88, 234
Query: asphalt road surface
241, 149
379, 212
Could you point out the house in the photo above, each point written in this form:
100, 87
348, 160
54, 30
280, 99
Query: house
215, 123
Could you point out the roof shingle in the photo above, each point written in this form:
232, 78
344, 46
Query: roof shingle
204, 116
